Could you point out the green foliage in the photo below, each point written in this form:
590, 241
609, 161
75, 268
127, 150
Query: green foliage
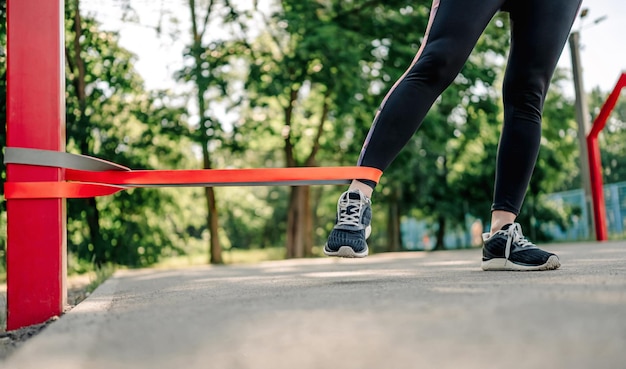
317, 57
298, 86
612, 140
117, 120
317, 75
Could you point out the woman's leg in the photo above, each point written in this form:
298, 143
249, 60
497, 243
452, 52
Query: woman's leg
453, 29
539, 30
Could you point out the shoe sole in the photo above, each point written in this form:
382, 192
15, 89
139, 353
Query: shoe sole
346, 252
503, 264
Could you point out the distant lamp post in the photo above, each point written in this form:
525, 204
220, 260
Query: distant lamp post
582, 110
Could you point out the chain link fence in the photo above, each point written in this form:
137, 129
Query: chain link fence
581, 222
418, 234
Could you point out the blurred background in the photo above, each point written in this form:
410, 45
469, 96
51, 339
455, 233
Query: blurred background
189, 84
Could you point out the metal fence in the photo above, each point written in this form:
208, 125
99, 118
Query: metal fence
581, 222
418, 234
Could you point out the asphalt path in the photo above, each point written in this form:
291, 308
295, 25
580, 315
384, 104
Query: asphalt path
398, 310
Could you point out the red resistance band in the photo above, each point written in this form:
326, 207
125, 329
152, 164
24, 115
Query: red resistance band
84, 183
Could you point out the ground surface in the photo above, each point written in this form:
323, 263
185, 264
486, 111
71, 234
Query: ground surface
10, 341
402, 310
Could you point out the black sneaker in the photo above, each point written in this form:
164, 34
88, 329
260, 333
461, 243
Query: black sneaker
508, 249
354, 215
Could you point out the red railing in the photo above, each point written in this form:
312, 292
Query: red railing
595, 163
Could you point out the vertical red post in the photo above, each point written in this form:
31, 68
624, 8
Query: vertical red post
595, 164
36, 247
597, 188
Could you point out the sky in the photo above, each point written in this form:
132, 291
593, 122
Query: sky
603, 45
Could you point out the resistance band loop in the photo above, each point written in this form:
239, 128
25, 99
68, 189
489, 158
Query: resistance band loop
90, 177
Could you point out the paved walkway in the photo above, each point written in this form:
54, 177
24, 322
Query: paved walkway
403, 310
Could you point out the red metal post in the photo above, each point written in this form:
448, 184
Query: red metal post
597, 194
36, 251
595, 164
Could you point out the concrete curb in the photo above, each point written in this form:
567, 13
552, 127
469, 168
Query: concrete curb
75, 335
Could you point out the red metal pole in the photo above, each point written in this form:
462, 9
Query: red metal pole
595, 164
597, 194
36, 251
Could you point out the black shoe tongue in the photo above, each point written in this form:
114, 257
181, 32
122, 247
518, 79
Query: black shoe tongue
354, 196
506, 226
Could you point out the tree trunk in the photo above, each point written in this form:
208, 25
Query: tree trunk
300, 215
215, 249
393, 226
315, 198
299, 223
77, 65
533, 223
292, 224
441, 231
93, 222
197, 32
307, 212
294, 212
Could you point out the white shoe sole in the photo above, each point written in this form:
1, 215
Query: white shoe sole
503, 264
346, 252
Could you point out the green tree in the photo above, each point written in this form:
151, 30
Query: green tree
312, 70
111, 116
210, 68
612, 140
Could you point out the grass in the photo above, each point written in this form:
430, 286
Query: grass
98, 276
230, 256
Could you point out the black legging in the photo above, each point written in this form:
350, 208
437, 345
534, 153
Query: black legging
539, 30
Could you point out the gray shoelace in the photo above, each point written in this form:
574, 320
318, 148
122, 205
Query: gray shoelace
350, 210
514, 233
